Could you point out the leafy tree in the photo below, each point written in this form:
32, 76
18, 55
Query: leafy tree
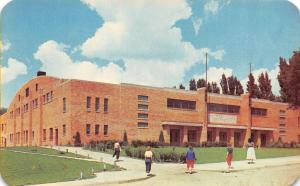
265, 87
200, 83
161, 137
231, 84
224, 84
174, 86
209, 88
215, 88
181, 87
193, 84
289, 79
252, 87
3, 111
239, 88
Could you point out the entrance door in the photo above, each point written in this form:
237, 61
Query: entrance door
174, 137
237, 139
192, 136
263, 138
56, 136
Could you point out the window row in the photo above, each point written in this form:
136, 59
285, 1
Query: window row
25, 137
48, 97
181, 104
258, 111
97, 104
96, 129
214, 107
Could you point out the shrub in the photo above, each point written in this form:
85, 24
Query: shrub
161, 138
125, 139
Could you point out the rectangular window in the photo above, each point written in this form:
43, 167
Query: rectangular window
105, 130
36, 87
142, 98
32, 135
142, 125
96, 129
105, 105
64, 104
299, 122
97, 104
48, 96
88, 129
64, 130
181, 104
88, 103
44, 135
142, 107
258, 111
213, 107
142, 116
51, 134
27, 92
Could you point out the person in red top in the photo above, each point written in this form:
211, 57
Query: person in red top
229, 155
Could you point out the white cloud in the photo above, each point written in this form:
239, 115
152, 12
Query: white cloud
197, 22
296, 3
56, 62
3, 3
14, 69
4, 46
272, 75
214, 74
213, 6
143, 35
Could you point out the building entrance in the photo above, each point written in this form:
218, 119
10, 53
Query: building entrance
174, 136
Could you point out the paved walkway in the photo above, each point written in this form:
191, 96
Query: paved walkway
135, 169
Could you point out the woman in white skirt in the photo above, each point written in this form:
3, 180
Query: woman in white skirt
251, 152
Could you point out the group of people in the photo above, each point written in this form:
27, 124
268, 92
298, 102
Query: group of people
190, 156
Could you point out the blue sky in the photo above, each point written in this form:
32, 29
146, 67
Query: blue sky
150, 42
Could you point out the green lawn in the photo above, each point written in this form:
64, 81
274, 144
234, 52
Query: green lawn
20, 169
42, 150
217, 154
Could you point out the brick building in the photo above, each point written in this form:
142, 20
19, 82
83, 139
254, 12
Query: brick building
49, 111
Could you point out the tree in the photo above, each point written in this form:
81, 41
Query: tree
215, 88
77, 140
289, 79
265, 87
3, 111
252, 88
161, 138
200, 83
125, 139
238, 88
193, 84
224, 84
209, 88
231, 85
181, 87
174, 86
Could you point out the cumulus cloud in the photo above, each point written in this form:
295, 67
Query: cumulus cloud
296, 3
143, 35
214, 74
272, 75
213, 6
14, 69
56, 62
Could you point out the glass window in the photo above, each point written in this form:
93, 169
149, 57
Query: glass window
258, 111
97, 104
181, 104
142, 116
51, 134
105, 131
44, 134
105, 105
64, 130
36, 87
88, 102
97, 129
27, 92
142, 125
142, 107
88, 129
64, 104
142, 98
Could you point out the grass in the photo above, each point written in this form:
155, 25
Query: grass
22, 169
217, 154
47, 151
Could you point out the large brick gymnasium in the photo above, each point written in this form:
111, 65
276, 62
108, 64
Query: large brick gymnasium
50, 111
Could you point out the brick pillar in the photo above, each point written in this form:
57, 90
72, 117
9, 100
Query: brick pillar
246, 118
217, 135
185, 135
231, 137
166, 132
258, 142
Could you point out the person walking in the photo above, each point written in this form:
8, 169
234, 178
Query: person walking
117, 150
190, 159
148, 160
229, 156
250, 152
